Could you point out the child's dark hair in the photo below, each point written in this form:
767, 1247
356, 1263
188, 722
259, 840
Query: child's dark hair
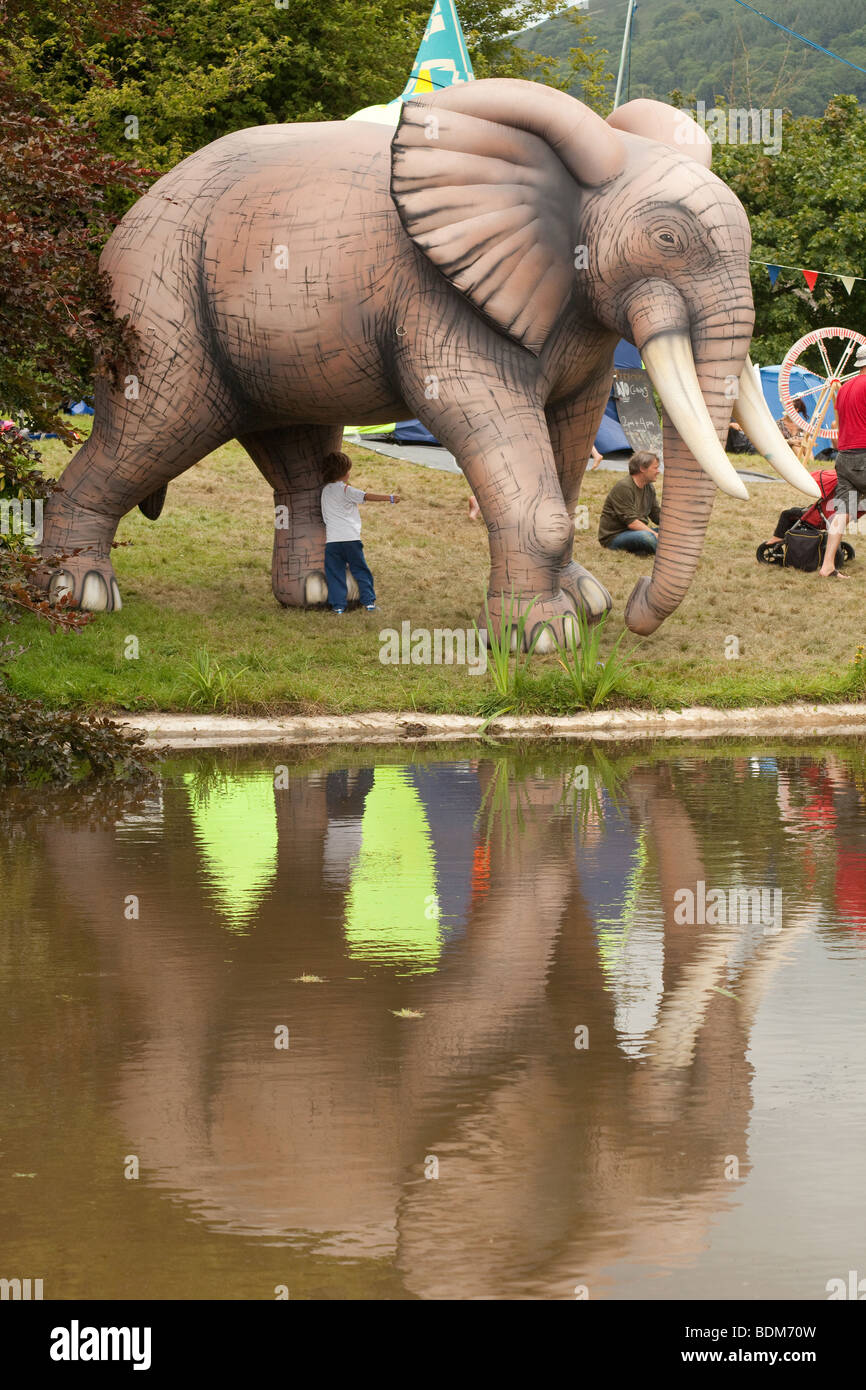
335, 467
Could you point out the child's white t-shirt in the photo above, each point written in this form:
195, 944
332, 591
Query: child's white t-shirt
340, 512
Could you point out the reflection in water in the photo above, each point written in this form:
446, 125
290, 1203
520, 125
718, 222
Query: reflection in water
236, 828
391, 903
585, 1090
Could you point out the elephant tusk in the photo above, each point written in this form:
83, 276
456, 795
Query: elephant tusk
754, 415
668, 359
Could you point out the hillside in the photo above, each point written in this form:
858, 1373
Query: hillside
709, 48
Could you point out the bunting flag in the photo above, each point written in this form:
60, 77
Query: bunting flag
810, 276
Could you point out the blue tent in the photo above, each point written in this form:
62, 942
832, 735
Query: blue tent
412, 432
611, 437
800, 382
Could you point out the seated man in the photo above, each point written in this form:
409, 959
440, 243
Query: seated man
630, 513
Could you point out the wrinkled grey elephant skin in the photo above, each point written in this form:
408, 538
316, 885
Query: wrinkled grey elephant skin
475, 271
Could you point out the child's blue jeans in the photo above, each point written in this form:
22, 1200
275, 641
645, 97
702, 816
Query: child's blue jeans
339, 554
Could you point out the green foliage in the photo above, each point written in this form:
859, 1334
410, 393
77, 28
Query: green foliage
806, 206
208, 68
857, 674
721, 50
509, 675
43, 745
211, 685
56, 187
574, 65
593, 680
23, 483
40, 745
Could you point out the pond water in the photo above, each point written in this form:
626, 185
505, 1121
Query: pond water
458, 1023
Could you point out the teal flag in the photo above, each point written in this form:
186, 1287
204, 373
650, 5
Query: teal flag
442, 59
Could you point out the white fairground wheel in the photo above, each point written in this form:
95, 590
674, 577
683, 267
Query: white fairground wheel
827, 353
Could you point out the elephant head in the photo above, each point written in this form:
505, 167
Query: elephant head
538, 211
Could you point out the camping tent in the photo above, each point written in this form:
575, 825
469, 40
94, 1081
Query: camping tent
800, 381
611, 437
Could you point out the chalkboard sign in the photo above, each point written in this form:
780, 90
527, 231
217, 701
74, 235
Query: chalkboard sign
633, 393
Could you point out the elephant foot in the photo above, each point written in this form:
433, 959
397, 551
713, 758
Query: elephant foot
587, 592
308, 589
78, 542
551, 618
87, 581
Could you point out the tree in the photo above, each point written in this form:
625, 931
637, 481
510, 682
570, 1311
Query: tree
204, 69
806, 206
56, 317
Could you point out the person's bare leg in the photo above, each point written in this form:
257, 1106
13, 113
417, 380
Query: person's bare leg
834, 537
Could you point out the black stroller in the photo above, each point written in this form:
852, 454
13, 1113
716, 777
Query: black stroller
804, 532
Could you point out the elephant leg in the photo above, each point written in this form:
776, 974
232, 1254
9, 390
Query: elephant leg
502, 444
573, 426
137, 447
291, 461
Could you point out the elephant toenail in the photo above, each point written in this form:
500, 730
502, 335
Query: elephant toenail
545, 642
94, 593
61, 584
315, 588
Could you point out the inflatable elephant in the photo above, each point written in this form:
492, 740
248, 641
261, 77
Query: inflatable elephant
474, 270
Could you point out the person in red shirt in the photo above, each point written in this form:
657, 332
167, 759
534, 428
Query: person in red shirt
850, 494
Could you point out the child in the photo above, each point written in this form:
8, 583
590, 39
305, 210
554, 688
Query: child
343, 533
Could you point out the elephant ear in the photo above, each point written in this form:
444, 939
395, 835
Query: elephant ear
656, 120
494, 209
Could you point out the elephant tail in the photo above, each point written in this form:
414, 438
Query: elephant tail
153, 504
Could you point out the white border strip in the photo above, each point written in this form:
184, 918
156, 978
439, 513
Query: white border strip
213, 731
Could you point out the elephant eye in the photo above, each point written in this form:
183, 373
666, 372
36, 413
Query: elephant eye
671, 239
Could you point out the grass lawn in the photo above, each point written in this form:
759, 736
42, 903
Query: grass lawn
198, 580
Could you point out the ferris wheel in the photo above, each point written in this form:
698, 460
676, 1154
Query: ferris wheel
828, 355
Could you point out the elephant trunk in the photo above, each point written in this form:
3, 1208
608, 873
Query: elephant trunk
697, 406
